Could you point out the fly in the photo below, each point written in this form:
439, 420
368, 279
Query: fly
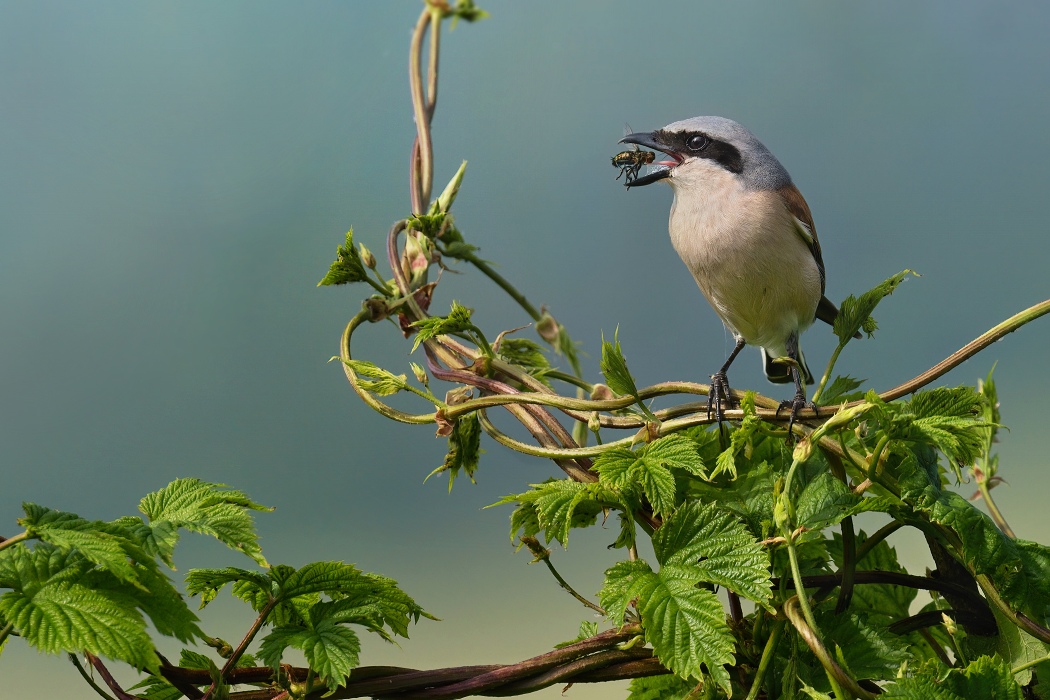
630, 162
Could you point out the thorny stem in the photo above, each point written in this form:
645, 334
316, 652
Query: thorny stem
836, 674
768, 653
87, 677
543, 554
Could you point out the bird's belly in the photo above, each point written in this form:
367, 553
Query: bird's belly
755, 269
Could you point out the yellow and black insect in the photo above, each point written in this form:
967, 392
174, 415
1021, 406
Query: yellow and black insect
630, 162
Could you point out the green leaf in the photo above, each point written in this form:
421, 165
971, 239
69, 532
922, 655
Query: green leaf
886, 601
208, 582
614, 367
556, 506
824, 502
666, 687
587, 630
866, 650
986, 677
686, 625
380, 382
842, 389
464, 449
457, 321
106, 545
331, 650
55, 607
649, 470
347, 267
202, 507
855, 313
706, 542
526, 354
741, 439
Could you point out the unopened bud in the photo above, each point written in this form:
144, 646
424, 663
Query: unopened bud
421, 375
594, 423
458, 395
367, 258
600, 392
949, 624
548, 328
803, 450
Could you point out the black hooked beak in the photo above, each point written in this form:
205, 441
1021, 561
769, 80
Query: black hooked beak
650, 140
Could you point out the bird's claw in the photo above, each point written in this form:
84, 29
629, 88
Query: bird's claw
796, 404
720, 398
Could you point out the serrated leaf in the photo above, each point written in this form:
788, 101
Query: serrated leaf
741, 439
685, 624
380, 382
986, 677
855, 312
588, 629
526, 354
666, 687
205, 508
54, 607
824, 502
842, 389
208, 582
331, 650
648, 470
614, 368
347, 267
106, 545
710, 544
867, 651
464, 449
457, 321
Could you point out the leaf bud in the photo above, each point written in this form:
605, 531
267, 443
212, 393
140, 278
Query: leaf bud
421, 374
367, 257
548, 328
601, 392
594, 423
803, 450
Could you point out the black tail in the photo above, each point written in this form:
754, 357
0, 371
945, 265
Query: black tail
780, 372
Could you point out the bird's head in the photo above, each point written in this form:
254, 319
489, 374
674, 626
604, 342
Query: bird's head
704, 148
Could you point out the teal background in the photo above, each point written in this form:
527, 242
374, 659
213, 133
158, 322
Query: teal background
175, 178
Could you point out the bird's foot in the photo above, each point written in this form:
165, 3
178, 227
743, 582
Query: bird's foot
720, 398
796, 404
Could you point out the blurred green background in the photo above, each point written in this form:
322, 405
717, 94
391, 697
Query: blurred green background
175, 178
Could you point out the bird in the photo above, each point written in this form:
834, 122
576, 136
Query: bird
746, 234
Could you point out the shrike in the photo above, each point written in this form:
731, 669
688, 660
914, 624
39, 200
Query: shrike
745, 232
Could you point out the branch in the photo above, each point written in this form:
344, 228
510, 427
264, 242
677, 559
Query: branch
835, 672
108, 677
593, 660
969, 350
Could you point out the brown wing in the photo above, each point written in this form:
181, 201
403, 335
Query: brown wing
796, 204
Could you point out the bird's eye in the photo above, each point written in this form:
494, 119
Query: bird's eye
697, 142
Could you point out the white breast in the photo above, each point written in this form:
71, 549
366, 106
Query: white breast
745, 255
